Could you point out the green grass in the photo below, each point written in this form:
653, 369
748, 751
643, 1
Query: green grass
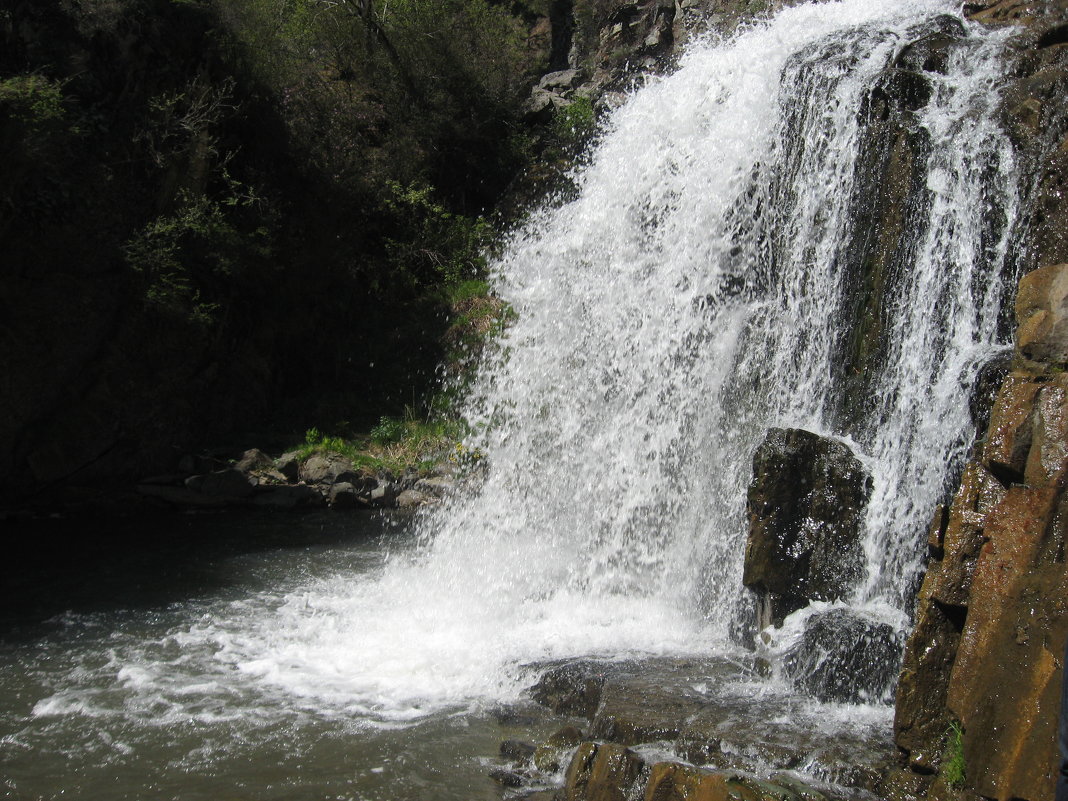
953, 766
396, 445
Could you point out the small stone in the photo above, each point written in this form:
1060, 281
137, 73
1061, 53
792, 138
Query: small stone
567, 737
343, 496
287, 496
385, 494
547, 758
517, 750
507, 778
411, 498
230, 483
254, 459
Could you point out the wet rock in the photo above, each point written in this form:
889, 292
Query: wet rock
567, 737
844, 657
992, 615
805, 504
548, 755
540, 795
768, 732
797, 787
573, 688
1042, 312
344, 496
644, 708
671, 781
985, 389
1047, 460
412, 498
547, 758
385, 494
507, 778
517, 750
1008, 439
518, 715
602, 772
1016, 609
438, 486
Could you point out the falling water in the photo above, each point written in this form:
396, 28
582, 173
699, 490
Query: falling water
702, 288
698, 292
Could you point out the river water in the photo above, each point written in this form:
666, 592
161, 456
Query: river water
117, 680
693, 295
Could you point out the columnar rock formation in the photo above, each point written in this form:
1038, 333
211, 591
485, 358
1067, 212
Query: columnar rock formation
986, 653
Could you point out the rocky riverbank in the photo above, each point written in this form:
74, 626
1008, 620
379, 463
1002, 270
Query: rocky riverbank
293, 481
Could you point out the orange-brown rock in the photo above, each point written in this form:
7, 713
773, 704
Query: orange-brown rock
1001, 687
992, 615
1042, 311
672, 781
1008, 440
602, 772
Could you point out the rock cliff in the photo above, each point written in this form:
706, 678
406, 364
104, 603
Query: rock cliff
986, 652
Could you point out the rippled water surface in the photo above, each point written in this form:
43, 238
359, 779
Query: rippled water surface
121, 673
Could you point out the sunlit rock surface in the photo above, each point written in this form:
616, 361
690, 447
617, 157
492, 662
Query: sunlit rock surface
987, 649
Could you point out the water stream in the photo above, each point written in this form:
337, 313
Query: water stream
693, 295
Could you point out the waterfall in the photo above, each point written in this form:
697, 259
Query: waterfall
698, 291
707, 283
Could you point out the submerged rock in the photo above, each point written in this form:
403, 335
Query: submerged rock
517, 750
806, 504
844, 657
573, 688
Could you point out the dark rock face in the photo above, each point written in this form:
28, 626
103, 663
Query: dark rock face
806, 504
845, 658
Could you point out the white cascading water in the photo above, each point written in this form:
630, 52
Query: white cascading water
690, 297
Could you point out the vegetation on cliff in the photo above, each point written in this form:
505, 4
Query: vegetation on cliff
220, 215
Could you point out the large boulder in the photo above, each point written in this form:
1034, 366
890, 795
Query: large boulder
806, 507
